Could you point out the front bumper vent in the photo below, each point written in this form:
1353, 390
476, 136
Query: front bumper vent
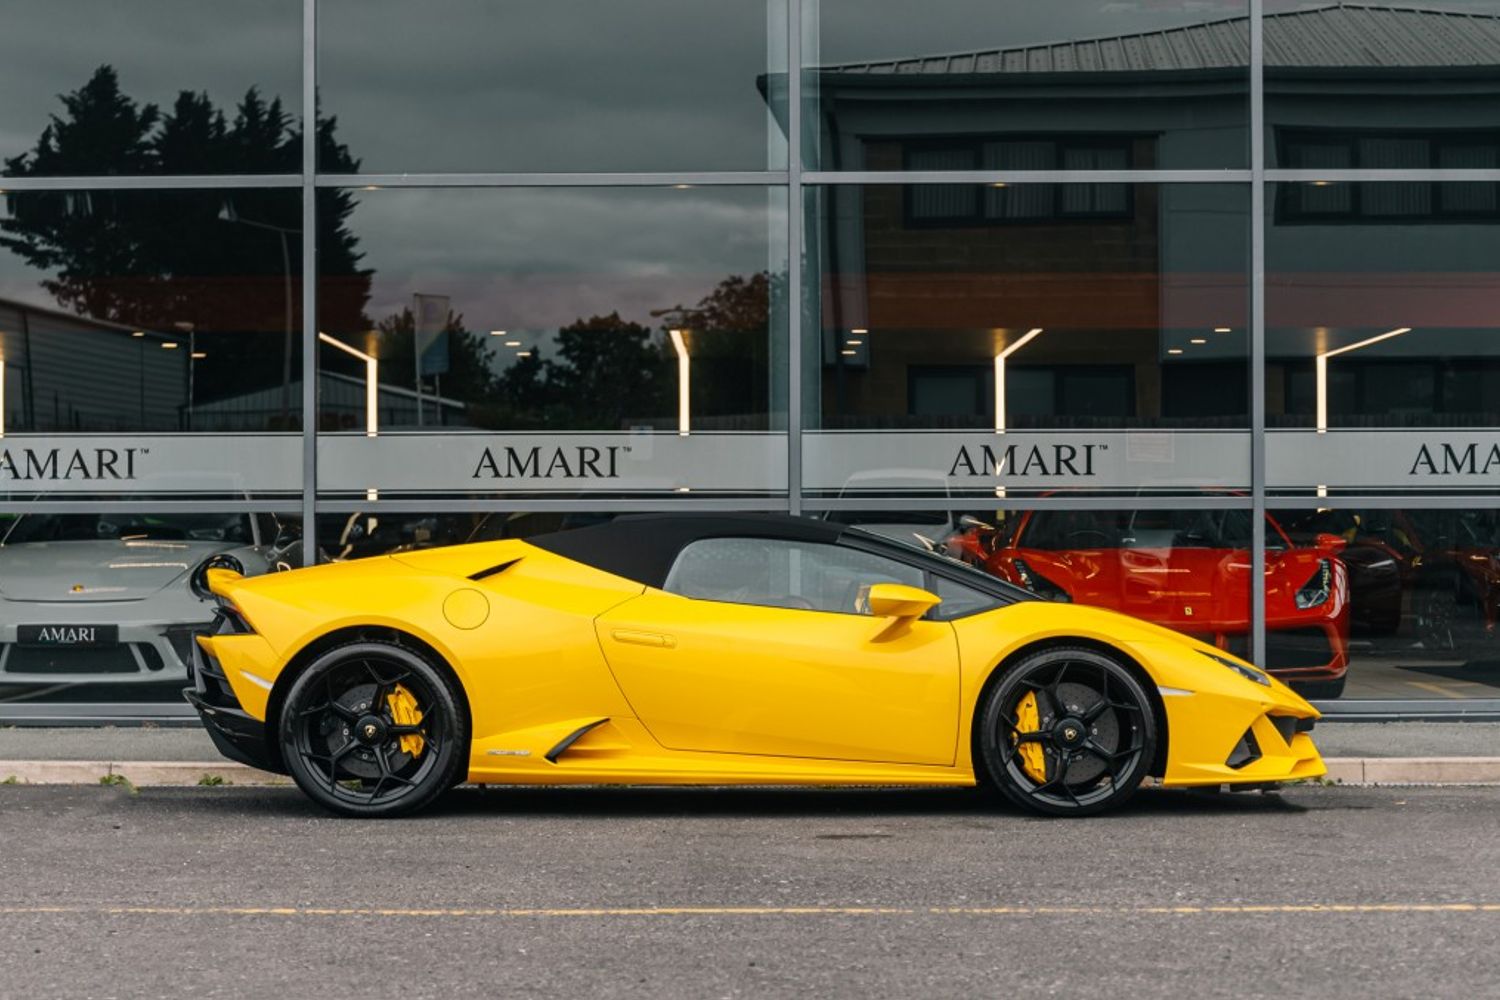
1245, 752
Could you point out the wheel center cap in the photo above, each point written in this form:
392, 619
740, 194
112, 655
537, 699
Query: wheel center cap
370, 730
1069, 732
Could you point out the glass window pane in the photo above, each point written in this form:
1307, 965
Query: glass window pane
101, 88
1381, 340
1393, 82
1120, 308
148, 321
1422, 595
119, 582
605, 340
1165, 83
556, 85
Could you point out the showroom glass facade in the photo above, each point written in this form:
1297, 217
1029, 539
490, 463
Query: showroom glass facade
1185, 308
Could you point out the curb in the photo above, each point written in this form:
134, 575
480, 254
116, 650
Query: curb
137, 773
157, 773
1414, 770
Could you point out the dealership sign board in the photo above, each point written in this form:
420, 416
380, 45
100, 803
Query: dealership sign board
866, 463
570, 463
1418, 459
151, 463
835, 463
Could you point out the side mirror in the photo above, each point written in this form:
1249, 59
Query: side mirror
1330, 542
895, 600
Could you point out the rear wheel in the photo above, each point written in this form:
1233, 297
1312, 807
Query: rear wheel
373, 729
1067, 732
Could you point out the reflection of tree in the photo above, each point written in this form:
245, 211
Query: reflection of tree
730, 344
468, 376
158, 258
608, 373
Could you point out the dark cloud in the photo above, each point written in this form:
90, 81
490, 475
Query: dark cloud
529, 259
159, 47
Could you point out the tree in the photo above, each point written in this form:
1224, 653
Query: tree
225, 263
609, 374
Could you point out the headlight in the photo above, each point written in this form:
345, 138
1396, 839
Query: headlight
1039, 584
1244, 670
1318, 588
199, 580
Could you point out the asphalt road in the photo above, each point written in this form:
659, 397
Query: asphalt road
586, 893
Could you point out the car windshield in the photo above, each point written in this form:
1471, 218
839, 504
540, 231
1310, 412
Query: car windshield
940, 561
130, 527
1141, 529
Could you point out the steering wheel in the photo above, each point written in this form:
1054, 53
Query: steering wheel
1102, 536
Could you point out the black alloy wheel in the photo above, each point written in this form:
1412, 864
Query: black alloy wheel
373, 729
1067, 732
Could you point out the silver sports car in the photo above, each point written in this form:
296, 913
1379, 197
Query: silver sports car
110, 598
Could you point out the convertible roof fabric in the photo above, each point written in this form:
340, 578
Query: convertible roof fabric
642, 547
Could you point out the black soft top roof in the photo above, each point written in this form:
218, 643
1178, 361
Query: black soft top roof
642, 547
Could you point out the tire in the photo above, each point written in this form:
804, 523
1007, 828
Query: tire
353, 745
1095, 731
1321, 690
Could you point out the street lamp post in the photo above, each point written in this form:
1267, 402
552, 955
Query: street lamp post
228, 214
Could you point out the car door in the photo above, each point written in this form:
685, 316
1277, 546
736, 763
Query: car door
758, 646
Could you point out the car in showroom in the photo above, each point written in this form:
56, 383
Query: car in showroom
1189, 570
718, 649
108, 598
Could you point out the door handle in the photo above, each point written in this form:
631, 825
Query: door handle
635, 638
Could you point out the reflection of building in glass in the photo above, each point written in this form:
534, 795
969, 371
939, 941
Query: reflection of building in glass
70, 373
1137, 284
341, 407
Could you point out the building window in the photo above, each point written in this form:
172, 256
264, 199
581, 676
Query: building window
996, 204
1414, 201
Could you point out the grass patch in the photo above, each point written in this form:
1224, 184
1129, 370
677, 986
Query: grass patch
212, 780
118, 781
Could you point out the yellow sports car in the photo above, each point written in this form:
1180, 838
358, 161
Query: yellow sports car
718, 649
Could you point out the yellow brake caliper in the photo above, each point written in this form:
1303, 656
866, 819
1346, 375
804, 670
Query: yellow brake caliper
1029, 720
404, 712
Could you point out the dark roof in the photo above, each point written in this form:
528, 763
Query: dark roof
1342, 35
642, 547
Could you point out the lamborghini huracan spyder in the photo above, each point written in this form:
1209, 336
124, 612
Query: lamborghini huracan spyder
718, 649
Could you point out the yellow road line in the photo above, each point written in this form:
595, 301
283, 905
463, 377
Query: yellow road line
751, 911
1435, 689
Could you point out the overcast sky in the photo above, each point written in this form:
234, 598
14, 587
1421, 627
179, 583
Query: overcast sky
527, 259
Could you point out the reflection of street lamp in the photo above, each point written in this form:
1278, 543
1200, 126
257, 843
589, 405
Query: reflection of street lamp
1000, 376
372, 390
227, 213
191, 330
684, 373
1321, 362
1322, 367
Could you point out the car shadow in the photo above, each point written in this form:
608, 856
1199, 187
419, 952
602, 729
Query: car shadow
596, 802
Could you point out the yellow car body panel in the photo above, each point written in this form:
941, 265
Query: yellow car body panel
673, 690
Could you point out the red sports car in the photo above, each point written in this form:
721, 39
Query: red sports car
1190, 570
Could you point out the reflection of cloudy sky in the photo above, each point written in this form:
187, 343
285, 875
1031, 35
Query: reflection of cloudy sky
549, 84
525, 259
159, 47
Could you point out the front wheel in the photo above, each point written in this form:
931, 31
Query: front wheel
373, 729
1067, 732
